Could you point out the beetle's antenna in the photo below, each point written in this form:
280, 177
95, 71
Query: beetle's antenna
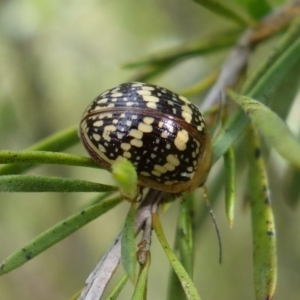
205, 195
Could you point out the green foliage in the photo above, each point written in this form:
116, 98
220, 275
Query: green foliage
128, 244
185, 280
272, 128
263, 230
230, 184
35, 88
57, 233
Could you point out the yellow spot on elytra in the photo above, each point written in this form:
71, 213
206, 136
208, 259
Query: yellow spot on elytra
120, 135
168, 182
98, 123
125, 146
187, 109
104, 100
107, 130
181, 139
173, 160
101, 148
136, 133
137, 84
127, 154
184, 99
149, 88
145, 127
185, 174
105, 115
116, 94
145, 173
200, 127
169, 167
160, 169
136, 143
96, 137
151, 105
144, 92
187, 117
149, 98
148, 120
164, 134
156, 173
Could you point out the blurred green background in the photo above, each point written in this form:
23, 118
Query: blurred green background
55, 58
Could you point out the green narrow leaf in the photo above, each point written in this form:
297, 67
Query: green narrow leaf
30, 183
287, 90
289, 55
56, 142
292, 187
228, 134
128, 247
230, 186
200, 87
140, 290
186, 282
45, 157
113, 295
256, 8
125, 175
98, 199
263, 227
225, 11
163, 61
152, 71
184, 245
56, 234
76, 295
271, 127
265, 68
175, 290
185, 234
205, 44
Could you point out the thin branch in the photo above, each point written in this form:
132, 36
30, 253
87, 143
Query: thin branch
231, 70
145, 243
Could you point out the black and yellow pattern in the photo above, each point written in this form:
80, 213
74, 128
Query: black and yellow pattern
160, 132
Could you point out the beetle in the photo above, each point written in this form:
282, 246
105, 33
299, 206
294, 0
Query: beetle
162, 133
